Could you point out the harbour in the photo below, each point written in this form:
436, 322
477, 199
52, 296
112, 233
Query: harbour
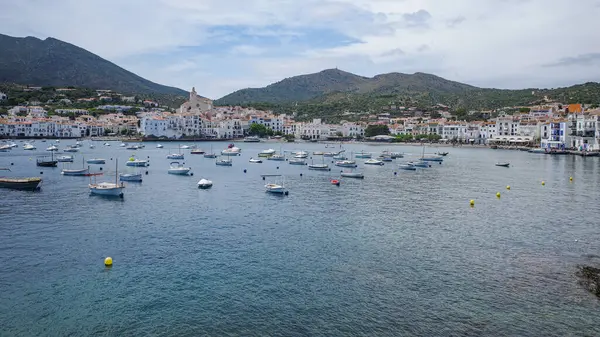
399, 252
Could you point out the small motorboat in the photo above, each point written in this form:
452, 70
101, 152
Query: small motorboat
356, 175
52, 148
335, 182
197, 151
224, 162
210, 155
122, 145
252, 160
184, 147
179, 169
346, 163
297, 161
407, 167
205, 183
328, 154
373, 162
130, 177
266, 153
503, 164
158, 146
301, 155
363, 154
422, 164
321, 167
92, 146
136, 162
443, 154
175, 156
385, 158
277, 157
318, 153
71, 149
28, 146
96, 161
432, 158
75, 172
64, 159
106, 144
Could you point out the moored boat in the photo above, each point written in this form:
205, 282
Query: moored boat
205, 183
357, 175
75, 172
407, 167
179, 169
130, 177
505, 164
96, 161
345, 163
108, 189
373, 162
24, 184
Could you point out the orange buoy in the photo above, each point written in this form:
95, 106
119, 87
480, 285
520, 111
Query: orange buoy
335, 182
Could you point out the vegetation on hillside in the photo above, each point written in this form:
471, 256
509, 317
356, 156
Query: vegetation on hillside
52, 62
336, 95
48, 95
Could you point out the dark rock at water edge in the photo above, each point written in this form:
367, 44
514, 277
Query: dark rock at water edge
589, 277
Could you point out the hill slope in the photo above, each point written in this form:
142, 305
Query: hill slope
52, 62
331, 81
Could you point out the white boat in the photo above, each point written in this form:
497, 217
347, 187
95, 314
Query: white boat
251, 139
345, 163
122, 145
224, 162
133, 147
407, 167
266, 153
130, 177
297, 161
205, 183
322, 167
301, 154
179, 169
106, 144
136, 162
363, 154
108, 189
92, 146
432, 158
506, 164
232, 151
71, 149
28, 146
340, 157
328, 154
373, 162
77, 144
210, 154
422, 164
158, 146
252, 160
276, 188
64, 159
184, 147
52, 148
75, 172
318, 153
96, 161
5, 148
357, 175
277, 157
538, 150
175, 156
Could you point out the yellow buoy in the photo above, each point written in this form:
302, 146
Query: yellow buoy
570, 178
543, 183
508, 187
472, 202
498, 194
108, 261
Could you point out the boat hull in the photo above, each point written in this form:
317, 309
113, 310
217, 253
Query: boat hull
352, 175
52, 163
179, 172
142, 163
114, 191
81, 172
130, 177
96, 161
23, 184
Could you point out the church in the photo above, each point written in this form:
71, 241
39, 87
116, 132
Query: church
196, 104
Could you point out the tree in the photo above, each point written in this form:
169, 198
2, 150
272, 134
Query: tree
376, 130
259, 130
524, 110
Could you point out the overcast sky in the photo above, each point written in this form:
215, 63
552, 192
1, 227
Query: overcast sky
220, 46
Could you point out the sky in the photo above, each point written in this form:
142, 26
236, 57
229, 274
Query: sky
219, 46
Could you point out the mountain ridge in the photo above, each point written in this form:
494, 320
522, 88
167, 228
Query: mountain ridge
52, 62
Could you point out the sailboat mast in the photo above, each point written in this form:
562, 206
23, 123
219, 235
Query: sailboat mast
117, 172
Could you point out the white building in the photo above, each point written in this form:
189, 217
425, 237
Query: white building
196, 104
352, 130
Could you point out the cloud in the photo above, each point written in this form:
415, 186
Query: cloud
221, 46
451, 23
419, 18
578, 60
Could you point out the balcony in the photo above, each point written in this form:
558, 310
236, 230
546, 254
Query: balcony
586, 134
